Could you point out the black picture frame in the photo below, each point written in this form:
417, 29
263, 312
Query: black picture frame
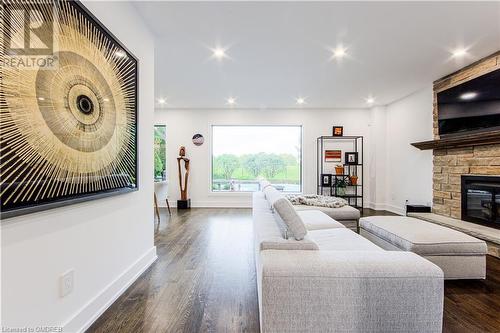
351, 157
326, 179
41, 205
338, 131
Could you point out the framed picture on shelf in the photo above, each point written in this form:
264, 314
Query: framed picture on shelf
338, 131
326, 179
333, 156
351, 158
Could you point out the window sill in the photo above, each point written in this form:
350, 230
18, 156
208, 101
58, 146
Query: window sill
230, 193
236, 193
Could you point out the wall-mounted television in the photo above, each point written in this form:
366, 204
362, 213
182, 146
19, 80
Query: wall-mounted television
473, 106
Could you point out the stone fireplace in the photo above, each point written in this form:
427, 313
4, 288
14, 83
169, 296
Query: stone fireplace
466, 169
475, 155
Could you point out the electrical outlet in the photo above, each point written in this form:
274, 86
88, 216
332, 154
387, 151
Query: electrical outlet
67, 283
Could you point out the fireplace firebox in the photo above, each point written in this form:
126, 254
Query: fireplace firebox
481, 200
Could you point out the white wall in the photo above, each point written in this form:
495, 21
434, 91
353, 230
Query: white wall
183, 124
107, 242
408, 169
378, 144
395, 171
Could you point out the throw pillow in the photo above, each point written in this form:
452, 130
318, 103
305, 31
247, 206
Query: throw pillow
293, 221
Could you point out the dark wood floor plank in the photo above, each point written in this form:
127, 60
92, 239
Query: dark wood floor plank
204, 281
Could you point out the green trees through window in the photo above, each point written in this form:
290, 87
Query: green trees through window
160, 152
242, 155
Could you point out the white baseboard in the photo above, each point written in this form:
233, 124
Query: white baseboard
375, 206
246, 204
213, 204
89, 313
390, 208
395, 209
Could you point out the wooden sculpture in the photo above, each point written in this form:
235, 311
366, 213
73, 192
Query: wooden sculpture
184, 202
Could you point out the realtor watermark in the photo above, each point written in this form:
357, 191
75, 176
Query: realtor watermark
29, 34
29, 329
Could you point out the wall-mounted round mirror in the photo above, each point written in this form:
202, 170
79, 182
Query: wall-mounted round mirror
198, 139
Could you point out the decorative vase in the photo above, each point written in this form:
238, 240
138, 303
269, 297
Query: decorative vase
340, 191
354, 180
339, 170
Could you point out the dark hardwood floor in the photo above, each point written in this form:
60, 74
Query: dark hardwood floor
204, 281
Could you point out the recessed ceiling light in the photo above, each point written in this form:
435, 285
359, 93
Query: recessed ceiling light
41, 99
339, 52
120, 54
231, 101
460, 52
370, 100
106, 99
468, 95
219, 53
301, 100
162, 101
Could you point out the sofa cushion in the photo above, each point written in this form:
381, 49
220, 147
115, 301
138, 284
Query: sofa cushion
424, 238
315, 220
292, 220
342, 213
264, 184
283, 227
272, 194
341, 239
279, 243
265, 224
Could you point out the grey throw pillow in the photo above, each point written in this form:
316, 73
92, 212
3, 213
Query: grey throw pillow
285, 233
292, 220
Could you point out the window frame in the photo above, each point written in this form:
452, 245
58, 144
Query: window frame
236, 193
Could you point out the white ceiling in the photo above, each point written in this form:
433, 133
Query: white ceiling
281, 50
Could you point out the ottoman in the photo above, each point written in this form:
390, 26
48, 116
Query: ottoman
459, 255
347, 215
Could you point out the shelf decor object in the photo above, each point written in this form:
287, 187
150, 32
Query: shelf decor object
326, 180
346, 179
68, 132
338, 131
351, 158
333, 156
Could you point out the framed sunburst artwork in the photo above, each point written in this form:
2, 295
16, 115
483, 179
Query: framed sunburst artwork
68, 108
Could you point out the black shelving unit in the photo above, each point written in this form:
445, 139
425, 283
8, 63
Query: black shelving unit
353, 193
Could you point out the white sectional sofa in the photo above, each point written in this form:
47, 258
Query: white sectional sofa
334, 280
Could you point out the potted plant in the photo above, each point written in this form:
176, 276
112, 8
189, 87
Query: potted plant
339, 169
354, 180
341, 184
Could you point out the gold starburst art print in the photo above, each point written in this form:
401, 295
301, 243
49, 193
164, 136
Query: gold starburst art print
68, 108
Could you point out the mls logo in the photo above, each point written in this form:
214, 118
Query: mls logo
29, 27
